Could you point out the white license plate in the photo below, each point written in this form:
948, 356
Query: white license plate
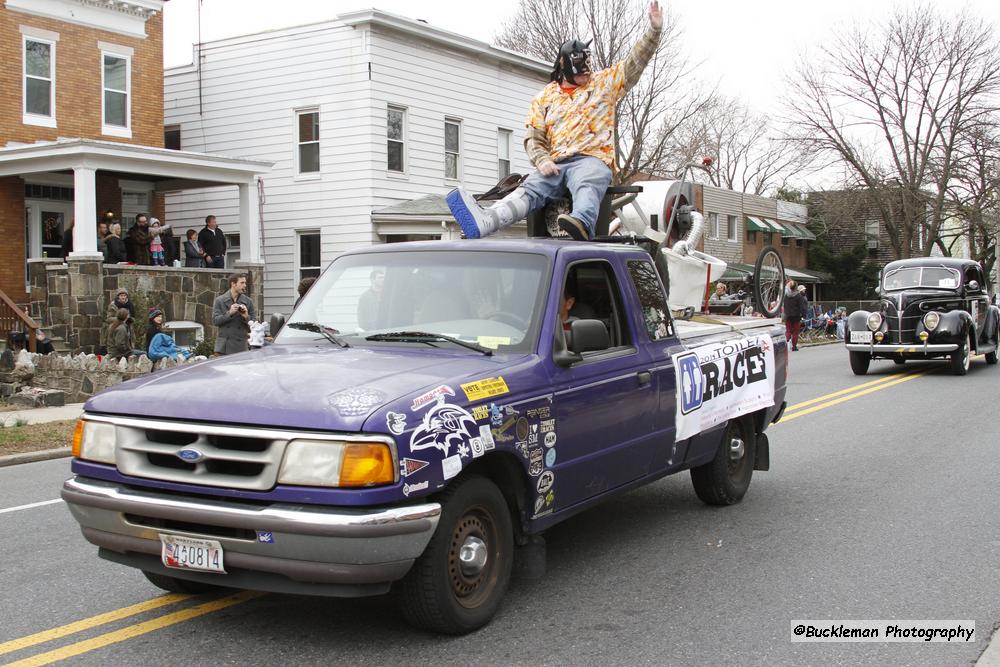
185, 553
861, 336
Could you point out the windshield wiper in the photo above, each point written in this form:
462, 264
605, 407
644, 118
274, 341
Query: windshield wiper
328, 332
427, 337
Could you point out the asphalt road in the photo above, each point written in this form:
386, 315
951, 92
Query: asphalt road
881, 503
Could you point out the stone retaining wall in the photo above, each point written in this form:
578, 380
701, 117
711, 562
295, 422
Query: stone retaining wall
79, 377
71, 299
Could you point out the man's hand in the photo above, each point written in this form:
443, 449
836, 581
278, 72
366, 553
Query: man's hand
655, 15
548, 168
234, 308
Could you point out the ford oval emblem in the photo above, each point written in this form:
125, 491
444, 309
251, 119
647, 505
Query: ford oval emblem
190, 455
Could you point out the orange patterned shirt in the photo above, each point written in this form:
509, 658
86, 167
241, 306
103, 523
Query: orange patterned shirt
581, 122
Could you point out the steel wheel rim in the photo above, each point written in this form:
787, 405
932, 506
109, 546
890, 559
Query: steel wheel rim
472, 589
770, 279
736, 467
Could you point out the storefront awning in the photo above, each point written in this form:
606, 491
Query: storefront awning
775, 226
757, 225
805, 234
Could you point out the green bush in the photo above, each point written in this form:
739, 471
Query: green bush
206, 348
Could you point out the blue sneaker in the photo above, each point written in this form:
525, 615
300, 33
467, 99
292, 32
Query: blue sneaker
474, 221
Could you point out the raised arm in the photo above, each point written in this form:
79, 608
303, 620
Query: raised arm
644, 49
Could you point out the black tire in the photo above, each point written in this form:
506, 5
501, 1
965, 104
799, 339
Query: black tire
436, 594
960, 359
175, 585
991, 357
860, 362
768, 282
725, 479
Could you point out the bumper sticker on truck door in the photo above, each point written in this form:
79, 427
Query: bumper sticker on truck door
720, 381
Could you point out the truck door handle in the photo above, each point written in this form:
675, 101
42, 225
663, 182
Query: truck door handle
645, 377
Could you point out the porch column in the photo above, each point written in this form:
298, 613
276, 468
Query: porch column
249, 222
85, 214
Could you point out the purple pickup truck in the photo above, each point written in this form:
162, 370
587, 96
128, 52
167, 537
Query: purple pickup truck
424, 415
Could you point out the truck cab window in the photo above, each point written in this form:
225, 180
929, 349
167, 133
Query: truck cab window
655, 313
596, 296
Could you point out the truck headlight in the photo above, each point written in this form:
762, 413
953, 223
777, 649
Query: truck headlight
931, 320
337, 464
874, 321
94, 441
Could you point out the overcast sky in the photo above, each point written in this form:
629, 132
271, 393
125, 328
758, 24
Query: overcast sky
745, 46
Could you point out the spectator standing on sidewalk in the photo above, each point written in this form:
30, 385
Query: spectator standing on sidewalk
213, 242
795, 307
232, 312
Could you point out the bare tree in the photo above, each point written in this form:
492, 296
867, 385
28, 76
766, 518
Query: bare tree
974, 194
748, 152
665, 98
891, 105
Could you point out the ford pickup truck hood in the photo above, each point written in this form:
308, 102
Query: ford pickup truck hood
324, 388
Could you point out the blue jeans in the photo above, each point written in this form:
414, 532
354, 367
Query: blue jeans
217, 262
587, 178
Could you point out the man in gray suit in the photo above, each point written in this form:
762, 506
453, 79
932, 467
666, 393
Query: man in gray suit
231, 312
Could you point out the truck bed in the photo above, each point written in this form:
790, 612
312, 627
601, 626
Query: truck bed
720, 324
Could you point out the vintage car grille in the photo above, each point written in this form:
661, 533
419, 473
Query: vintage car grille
230, 457
902, 325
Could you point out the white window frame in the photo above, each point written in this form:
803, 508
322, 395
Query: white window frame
233, 252
458, 154
299, 233
503, 151
731, 230
713, 225
124, 53
299, 174
406, 161
872, 237
42, 37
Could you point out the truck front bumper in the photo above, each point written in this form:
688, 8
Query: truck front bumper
308, 549
892, 348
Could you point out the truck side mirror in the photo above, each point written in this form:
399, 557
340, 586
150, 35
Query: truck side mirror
589, 336
277, 321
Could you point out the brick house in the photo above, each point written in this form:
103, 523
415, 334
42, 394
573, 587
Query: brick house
81, 133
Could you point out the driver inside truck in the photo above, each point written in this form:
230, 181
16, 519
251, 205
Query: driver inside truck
569, 140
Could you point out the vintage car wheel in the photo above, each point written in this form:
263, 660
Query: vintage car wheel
458, 582
960, 360
725, 479
175, 585
860, 362
991, 357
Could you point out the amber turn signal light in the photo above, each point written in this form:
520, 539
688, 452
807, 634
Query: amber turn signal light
367, 464
77, 438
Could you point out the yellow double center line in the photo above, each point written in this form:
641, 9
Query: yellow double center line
121, 635
844, 395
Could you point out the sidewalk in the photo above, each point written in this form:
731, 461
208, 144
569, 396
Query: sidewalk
41, 415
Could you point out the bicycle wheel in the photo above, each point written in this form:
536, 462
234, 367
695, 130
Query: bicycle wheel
769, 282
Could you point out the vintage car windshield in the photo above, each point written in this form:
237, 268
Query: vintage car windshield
921, 276
488, 298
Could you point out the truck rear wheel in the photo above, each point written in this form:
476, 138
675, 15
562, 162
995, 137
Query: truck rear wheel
458, 582
725, 479
175, 585
860, 362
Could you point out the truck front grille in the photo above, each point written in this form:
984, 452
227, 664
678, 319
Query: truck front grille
214, 456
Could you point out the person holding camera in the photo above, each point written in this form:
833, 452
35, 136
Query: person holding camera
232, 312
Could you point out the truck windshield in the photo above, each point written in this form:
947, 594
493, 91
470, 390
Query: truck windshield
921, 276
492, 299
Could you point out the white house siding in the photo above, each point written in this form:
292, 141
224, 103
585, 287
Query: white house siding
724, 203
251, 87
792, 212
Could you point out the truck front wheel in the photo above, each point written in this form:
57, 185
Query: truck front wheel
458, 582
725, 479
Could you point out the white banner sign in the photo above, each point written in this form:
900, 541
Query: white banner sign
723, 380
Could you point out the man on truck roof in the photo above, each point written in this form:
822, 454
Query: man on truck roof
569, 140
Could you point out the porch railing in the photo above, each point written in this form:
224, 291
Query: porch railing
14, 319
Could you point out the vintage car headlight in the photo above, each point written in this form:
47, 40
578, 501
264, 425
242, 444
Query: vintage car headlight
931, 320
333, 463
874, 321
94, 441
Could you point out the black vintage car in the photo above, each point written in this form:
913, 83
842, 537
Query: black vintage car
929, 307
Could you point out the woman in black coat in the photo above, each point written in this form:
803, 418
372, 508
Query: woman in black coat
194, 256
116, 247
